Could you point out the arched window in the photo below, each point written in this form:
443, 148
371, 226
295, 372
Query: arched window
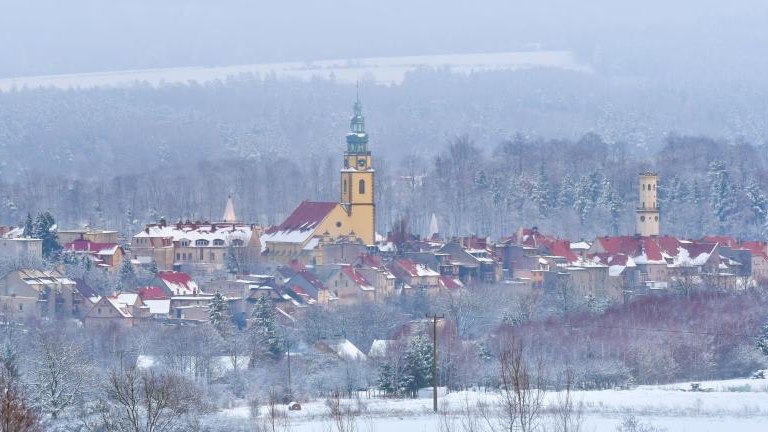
361, 187
643, 186
344, 186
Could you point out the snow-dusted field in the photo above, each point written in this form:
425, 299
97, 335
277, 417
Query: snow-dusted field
385, 70
731, 405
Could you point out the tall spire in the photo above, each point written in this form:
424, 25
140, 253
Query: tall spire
229, 211
357, 138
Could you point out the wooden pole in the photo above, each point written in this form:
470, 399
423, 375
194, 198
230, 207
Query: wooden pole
434, 317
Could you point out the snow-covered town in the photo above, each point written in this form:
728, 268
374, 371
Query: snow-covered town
417, 216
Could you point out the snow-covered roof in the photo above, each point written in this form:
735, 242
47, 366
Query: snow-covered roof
300, 225
211, 233
159, 307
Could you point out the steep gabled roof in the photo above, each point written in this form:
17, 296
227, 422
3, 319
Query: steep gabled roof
415, 269
356, 277
152, 293
179, 283
299, 226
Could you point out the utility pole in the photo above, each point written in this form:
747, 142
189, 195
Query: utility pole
434, 317
288, 352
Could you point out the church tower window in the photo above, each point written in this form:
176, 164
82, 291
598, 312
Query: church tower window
361, 187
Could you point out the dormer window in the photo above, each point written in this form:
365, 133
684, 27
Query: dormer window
237, 242
202, 242
184, 243
218, 242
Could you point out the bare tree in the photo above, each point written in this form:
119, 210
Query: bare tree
147, 402
522, 391
61, 372
569, 415
15, 413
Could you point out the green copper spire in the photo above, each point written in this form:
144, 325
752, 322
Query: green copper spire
357, 138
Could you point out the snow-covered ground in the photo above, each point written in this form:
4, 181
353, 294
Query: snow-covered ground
730, 405
385, 70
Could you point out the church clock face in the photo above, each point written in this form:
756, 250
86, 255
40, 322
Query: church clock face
361, 163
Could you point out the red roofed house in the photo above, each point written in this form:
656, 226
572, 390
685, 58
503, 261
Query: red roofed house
415, 275
175, 283
105, 255
348, 284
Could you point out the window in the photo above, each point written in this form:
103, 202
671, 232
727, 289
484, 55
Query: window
212, 256
201, 255
642, 218
178, 256
218, 242
643, 204
237, 242
344, 186
361, 187
202, 242
184, 243
643, 186
99, 311
21, 307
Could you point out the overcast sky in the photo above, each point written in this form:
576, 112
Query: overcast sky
72, 36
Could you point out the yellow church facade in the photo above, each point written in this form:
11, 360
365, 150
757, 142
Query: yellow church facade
353, 217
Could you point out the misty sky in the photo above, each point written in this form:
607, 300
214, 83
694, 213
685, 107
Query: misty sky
52, 37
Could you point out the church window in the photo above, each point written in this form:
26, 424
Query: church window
656, 218
643, 204
344, 186
643, 186
338, 224
642, 218
361, 187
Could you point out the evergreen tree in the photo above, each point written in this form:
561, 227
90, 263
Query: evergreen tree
231, 261
386, 380
758, 203
567, 192
218, 315
127, 275
762, 340
28, 226
612, 202
721, 196
541, 193
44, 228
263, 330
153, 270
417, 370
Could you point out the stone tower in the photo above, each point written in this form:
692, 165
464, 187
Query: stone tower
647, 213
357, 187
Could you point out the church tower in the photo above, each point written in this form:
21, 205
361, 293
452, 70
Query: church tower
647, 212
357, 187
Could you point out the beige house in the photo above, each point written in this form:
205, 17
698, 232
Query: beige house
122, 309
89, 234
21, 248
196, 246
31, 293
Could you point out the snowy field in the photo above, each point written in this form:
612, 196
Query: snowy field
384, 70
730, 406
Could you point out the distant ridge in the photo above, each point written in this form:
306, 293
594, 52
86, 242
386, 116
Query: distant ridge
383, 70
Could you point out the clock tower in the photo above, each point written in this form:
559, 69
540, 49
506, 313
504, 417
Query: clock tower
357, 187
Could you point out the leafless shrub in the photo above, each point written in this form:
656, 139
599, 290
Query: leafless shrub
15, 414
568, 414
630, 423
343, 417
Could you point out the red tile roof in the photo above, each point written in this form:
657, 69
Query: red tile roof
175, 277
450, 283
757, 248
353, 274
723, 240
635, 246
306, 216
81, 245
152, 293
